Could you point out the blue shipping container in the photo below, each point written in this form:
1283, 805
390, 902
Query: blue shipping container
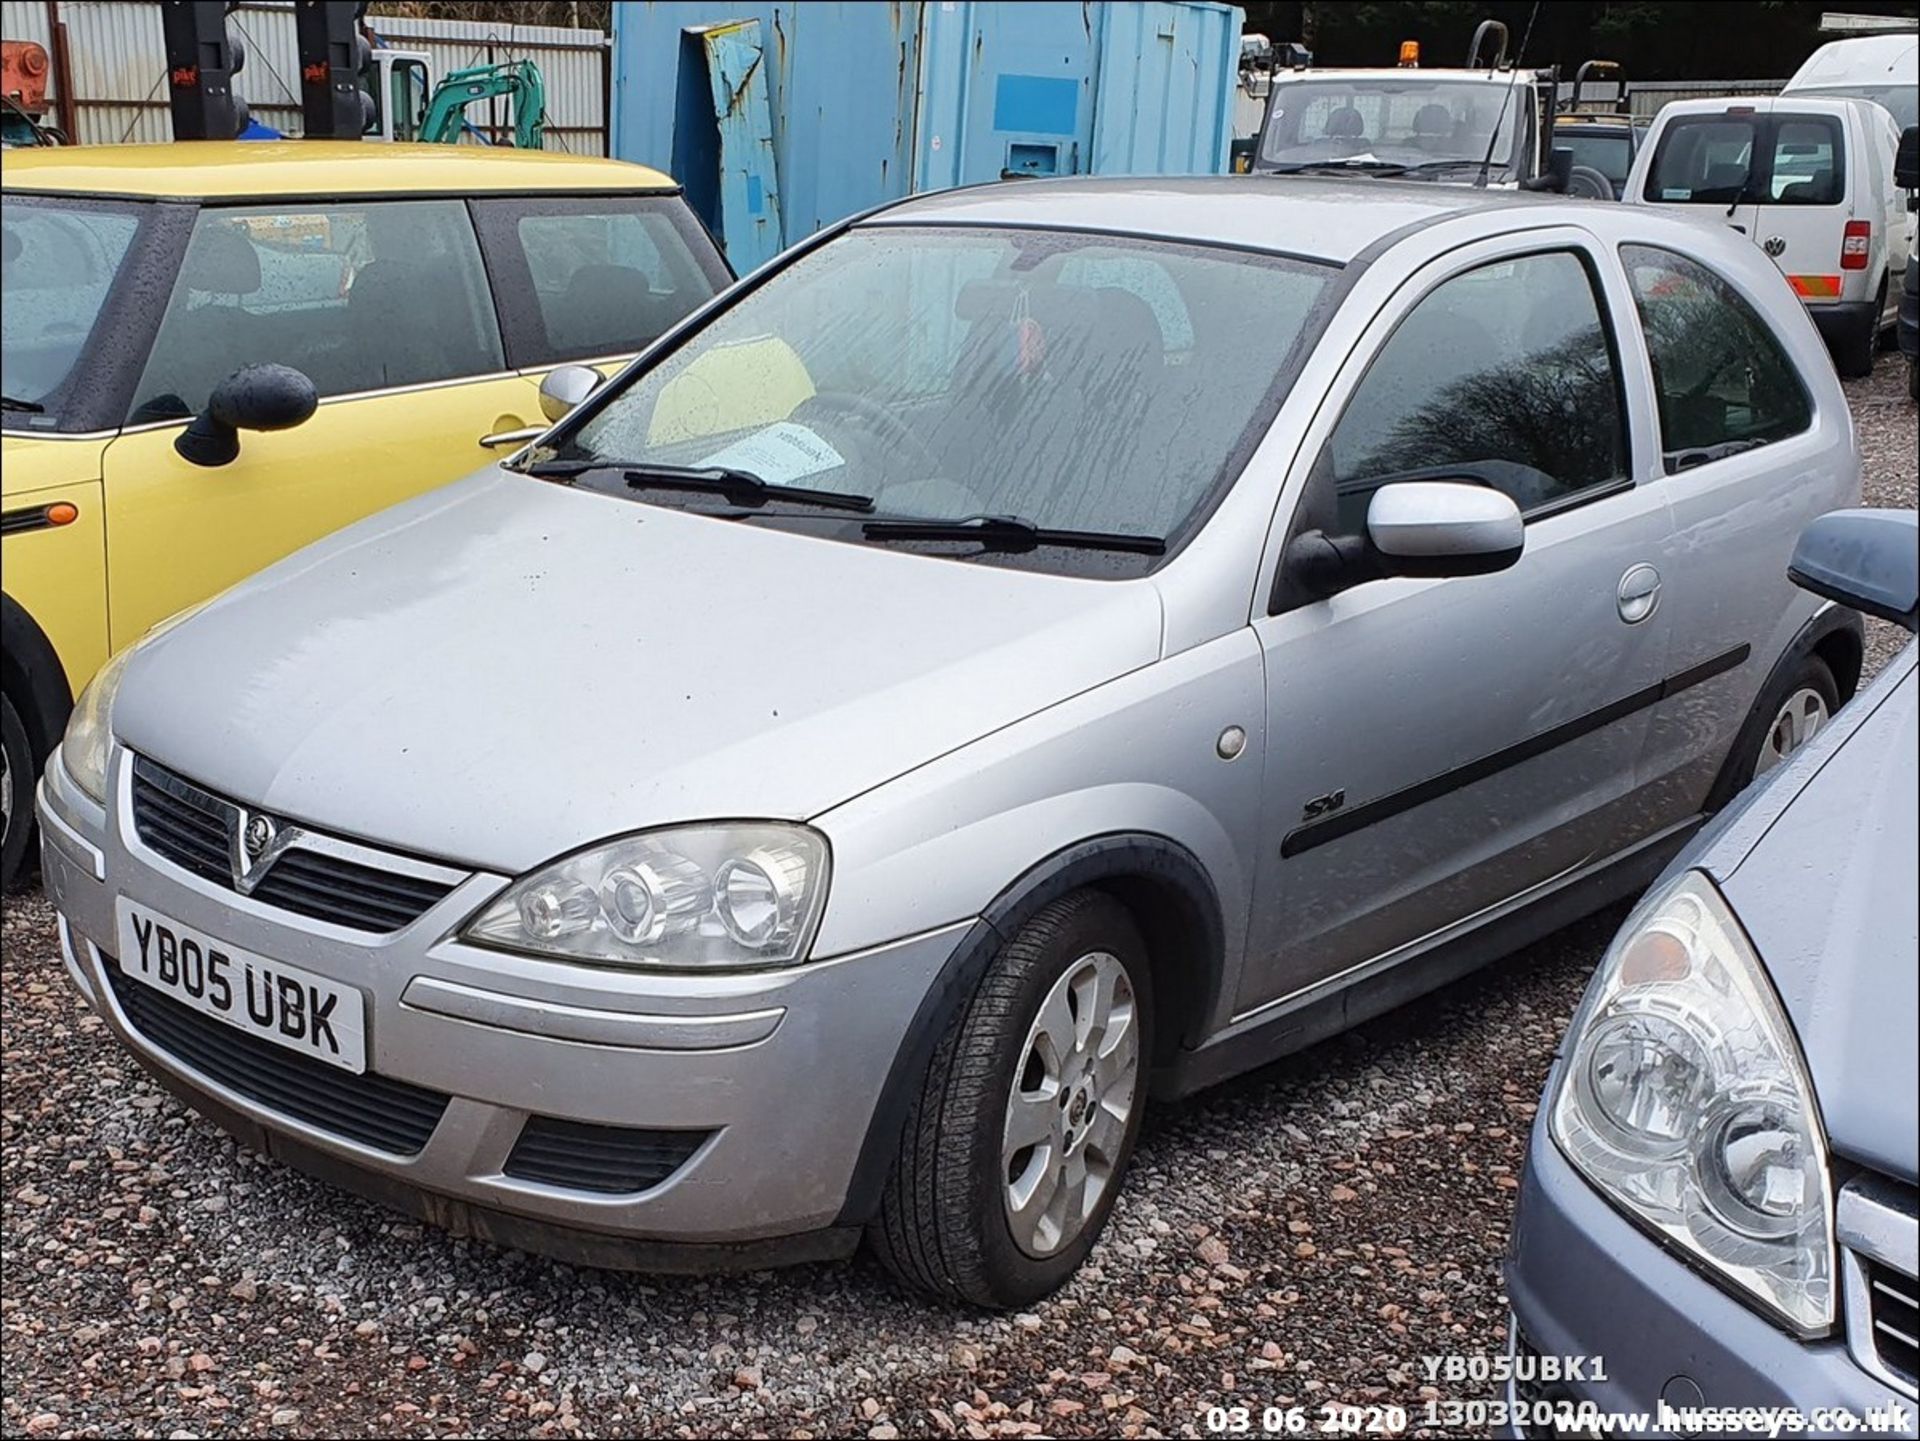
781, 118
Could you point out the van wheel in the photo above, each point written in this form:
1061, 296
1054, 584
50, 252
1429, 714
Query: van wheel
16, 793
1913, 380
1854, 355
1016, 1145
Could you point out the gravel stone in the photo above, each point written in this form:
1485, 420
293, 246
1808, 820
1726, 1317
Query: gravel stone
1301, 1235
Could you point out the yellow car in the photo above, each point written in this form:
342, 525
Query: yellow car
158, 299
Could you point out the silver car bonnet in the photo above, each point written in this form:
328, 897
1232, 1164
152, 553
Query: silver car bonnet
1826, 893
504, 670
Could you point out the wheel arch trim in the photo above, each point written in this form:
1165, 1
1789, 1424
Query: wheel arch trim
33, 677
1833, 631
1108, 862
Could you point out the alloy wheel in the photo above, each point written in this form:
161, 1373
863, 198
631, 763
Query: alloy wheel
1798, 721
1073, 1096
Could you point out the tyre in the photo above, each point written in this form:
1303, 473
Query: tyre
1586, 183
1913, 380
1018, 1140
1792, 710
1854, 353
17, 771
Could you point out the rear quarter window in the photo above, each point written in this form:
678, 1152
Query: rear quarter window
1723, 381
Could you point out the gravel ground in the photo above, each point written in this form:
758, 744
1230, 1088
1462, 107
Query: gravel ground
1282, 1241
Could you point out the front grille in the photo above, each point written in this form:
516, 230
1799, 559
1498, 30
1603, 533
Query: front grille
586, 1157
187, 825
1893, 1302
376, 1111
192, 833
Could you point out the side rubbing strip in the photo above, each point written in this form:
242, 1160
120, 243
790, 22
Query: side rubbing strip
1346, 822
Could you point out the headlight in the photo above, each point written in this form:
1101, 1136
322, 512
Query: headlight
88, 742
1685, 1100
89, 738
708, 897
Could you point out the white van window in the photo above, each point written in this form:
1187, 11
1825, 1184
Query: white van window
1749, 159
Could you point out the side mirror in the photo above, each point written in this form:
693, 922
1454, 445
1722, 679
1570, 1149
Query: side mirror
1866, 559
1427, 529
1906, 159
1559, 176
1444, 527
565, 387
254, 397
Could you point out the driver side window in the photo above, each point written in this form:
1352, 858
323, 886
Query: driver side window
1506, 374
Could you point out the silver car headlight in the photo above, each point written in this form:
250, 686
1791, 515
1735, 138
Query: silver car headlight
724, 896
88, 742
89, 739
1685, 1100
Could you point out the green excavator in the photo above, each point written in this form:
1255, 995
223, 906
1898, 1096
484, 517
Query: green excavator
410, 105
517, 80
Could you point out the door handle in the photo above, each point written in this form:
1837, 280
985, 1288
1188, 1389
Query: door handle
1638, 596
513, 437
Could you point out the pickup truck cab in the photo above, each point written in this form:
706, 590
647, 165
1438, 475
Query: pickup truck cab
1809, 179
1488, 123
389, 313
1408, 123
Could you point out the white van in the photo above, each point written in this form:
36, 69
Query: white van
1881, 68
1810, 181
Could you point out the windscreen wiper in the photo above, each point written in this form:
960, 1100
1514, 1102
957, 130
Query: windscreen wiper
1382, 168
1010, 532
32, 407
741, 487
1434, 167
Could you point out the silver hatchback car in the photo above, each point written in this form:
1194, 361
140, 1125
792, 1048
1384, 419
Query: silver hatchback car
1028, 648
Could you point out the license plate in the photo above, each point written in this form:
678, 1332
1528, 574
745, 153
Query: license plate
268, 999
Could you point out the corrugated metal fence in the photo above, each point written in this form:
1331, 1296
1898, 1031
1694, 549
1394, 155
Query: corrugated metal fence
1647, 97
118, 61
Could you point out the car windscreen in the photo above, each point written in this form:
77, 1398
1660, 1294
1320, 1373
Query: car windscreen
1749, 159
58, 264
1401, 118
1903, 101
1080, 382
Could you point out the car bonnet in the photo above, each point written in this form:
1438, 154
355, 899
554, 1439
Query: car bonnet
506, 669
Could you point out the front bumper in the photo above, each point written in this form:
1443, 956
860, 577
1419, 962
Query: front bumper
1584, 1281
781, 1071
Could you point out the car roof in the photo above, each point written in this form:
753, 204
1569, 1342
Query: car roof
237, 170
1330, 219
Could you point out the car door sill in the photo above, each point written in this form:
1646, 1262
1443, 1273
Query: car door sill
1336, 1003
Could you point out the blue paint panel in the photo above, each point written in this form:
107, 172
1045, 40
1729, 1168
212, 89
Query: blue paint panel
866, 101
1037, 104
737, 73
1164, 105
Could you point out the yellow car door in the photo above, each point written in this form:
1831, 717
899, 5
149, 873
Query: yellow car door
384, 306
